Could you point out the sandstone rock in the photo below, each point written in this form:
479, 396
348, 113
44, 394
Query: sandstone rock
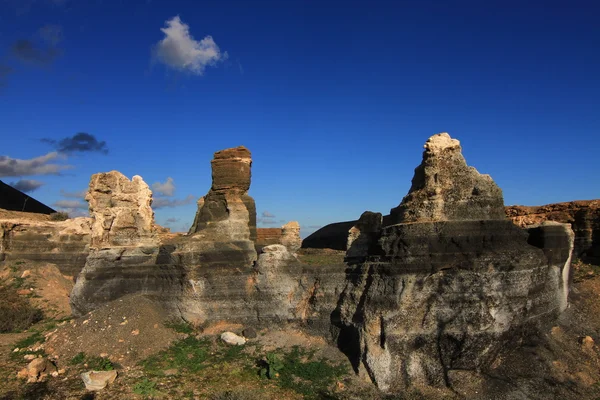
451, 285
63, 243
36, 368
584, 217
98, 380
232, 339
121, 210
364, 235
444, 188
227, 212
290, 236
587, 343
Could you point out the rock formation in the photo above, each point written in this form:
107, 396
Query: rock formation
227, 212
584, 217
125, 254
445, 188
64, 243
451, 284
121, 210
290, 236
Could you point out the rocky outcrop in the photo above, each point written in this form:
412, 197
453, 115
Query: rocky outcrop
121, 210
290, 236
125, 254
64, 243
583, 216
227, 212
445, 188
334, 236
452, 284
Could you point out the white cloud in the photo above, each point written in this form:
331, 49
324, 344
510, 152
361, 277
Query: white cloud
74, 195
180, 51
35, 166
165, 189
266, 214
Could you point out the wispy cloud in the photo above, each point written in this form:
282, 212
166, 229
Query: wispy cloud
73, 195
43, 49
80, 142
164, 189
42, 165
163, 202
72, 204
180, 51
266, 214
27, 185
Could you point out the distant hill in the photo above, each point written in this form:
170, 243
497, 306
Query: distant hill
15, 200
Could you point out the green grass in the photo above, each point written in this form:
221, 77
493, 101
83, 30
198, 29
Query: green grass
180, 326
79, 358
187, 355
309, 377
24, 344
145, 387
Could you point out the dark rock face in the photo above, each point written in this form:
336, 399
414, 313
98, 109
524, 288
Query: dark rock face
450, 287
444, 187
584, 217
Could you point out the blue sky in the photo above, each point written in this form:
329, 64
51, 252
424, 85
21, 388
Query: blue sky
334, 99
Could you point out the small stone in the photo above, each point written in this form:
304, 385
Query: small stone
249, 333
29, 357
23, 292
103, 355
54, 374
587, 343
16, 350
171, 372
22, 374
25, 274
61, 371
232, 339
121, 340
135, 332
98, 380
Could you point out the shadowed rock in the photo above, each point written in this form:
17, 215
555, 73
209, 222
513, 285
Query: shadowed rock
452, 284
583, 216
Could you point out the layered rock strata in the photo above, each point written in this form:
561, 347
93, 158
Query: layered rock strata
125, 254
448, 288
64, 243
583, 216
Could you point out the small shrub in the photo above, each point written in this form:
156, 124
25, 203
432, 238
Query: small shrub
271, 366
145, 387
187, 355
78, 359
59, 216
99, 363
16, 314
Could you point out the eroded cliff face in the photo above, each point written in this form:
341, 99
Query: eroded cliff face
583, 216
125, 255
27, 237
450, 286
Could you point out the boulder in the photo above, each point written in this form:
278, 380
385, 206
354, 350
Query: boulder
37, 369
232, 339
98, 380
